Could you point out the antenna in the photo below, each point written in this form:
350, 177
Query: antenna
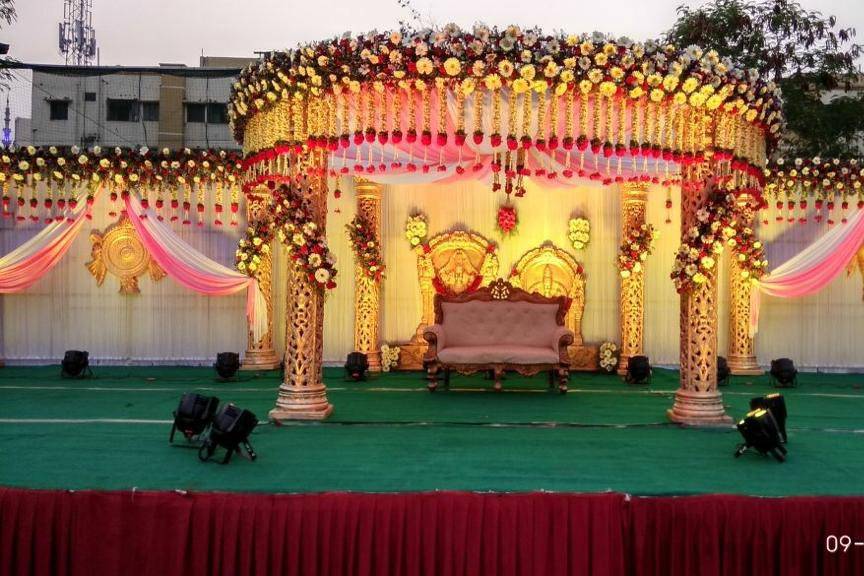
76, 35
7, 125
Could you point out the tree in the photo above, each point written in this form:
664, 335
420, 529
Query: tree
805, 52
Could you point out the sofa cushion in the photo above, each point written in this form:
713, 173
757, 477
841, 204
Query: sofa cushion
504, 353
484, 323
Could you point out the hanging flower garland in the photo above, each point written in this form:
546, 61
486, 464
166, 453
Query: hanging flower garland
718, 226
367, 249
416, 229
638, 244
305, 242
507, 219
580, 233
165, 177
794, 186
366, 68
252, 248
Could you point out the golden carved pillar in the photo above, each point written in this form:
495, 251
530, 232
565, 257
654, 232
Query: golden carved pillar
742, 347
698, 402
260, 354
367, 292
302, 394
632, 308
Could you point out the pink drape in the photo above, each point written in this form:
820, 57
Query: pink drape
191, 268
25, 265
813, 268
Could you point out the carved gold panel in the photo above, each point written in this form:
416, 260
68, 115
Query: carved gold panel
551, 271
118, 251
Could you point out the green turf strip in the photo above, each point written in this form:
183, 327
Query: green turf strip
390, 434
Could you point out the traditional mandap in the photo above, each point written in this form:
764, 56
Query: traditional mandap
516, 111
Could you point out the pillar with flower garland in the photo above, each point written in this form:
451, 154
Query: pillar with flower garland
742, 346
260, 353
698, 400
632, 294
367, 271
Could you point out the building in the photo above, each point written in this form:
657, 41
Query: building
168, 105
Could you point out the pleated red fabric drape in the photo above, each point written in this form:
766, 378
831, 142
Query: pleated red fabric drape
447, 533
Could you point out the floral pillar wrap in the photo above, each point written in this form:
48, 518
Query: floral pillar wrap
698, 401
260, 354
632, 312
366, 237
742, 346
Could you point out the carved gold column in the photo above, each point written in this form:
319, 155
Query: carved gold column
260, 354
367, 292
303, 395
742, 347
698, 402
632, 309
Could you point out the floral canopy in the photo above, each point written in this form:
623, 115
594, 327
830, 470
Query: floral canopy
439, 105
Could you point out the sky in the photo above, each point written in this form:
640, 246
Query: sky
147, 32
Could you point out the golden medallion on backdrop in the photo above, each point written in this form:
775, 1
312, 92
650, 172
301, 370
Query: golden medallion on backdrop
551, 271
118, 251
857, 263
452, 263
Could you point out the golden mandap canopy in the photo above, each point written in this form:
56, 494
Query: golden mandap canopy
578, 105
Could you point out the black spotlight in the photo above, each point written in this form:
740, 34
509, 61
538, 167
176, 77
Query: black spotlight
356, 366
75, 364
193, 414
227, 364
760, 432
638, 370
783, 373
723, 371
229, 429
777, 406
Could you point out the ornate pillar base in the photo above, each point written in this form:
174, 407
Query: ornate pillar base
622, 365
301, 403
374, 358
744, 366
260, 360
693, 408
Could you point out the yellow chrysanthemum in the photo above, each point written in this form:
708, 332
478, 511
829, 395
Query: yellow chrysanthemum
657, 95
452, 66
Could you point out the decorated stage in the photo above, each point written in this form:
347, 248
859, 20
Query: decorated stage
401, 481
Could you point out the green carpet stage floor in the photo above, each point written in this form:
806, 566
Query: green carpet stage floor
390, 434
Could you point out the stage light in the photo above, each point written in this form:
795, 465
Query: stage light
356, 366
193, 414
75, 364
760, 431
723, 371
227, 364
776, 404
229, 429
783, 373
638, 370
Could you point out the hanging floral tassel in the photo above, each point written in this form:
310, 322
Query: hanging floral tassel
235, 204
844, 206
668, 205
218, 206
831, 211
802, 219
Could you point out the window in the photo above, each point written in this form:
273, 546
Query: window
217, 113
150, 111
59, 109
196, 113
89, 96
123, 110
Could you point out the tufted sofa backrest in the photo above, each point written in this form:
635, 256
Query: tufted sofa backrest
483, 323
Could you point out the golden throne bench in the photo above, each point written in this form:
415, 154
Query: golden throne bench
495, 329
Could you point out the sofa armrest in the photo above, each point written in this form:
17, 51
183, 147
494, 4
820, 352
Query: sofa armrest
561, 339
434, 335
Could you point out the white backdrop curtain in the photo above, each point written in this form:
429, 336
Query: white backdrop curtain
167, 323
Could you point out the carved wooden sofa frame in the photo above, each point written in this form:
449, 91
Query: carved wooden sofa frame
497, 291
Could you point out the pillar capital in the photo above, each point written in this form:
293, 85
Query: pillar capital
366, 189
